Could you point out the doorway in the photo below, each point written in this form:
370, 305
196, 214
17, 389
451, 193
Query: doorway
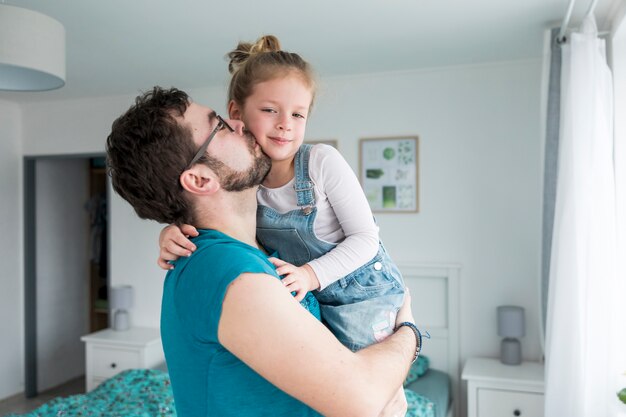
65, 264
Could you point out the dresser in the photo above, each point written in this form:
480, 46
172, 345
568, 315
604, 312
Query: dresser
108, 352
498, 390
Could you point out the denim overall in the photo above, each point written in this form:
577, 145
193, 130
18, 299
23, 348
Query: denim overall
360, 308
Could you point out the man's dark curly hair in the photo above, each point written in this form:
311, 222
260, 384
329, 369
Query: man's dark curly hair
147, 151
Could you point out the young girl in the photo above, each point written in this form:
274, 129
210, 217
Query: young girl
312, 210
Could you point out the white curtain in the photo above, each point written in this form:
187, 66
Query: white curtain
582, 318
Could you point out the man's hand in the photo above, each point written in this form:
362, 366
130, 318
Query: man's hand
174, 243
298, 279
405, 313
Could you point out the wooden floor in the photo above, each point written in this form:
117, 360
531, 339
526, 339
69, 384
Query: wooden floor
19, 404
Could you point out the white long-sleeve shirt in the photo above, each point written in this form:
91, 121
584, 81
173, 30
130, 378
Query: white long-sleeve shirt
343, 214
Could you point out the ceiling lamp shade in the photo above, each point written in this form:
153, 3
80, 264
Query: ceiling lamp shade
32, 50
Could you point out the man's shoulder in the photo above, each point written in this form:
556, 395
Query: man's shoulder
229, 252
231, 255
213, 241
225, 247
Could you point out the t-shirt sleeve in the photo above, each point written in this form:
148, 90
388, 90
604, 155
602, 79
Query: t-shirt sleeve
335, 178
203, 284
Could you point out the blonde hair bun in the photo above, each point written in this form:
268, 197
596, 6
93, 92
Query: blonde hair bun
244, 50
263, 60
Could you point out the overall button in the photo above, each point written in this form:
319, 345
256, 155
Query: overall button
378, 266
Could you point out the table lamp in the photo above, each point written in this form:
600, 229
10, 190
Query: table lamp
120, 300
511, 326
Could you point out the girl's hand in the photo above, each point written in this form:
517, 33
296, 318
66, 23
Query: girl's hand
405, 313
298, 279
174, 243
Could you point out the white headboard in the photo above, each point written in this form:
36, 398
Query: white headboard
435, 303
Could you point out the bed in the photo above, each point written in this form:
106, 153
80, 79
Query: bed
433, 393
131, 393
435, 294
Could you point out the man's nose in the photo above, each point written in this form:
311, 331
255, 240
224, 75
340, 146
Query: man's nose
237, 125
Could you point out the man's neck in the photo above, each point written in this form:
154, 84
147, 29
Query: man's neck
233, 213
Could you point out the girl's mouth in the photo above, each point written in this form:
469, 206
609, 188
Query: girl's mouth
279, 140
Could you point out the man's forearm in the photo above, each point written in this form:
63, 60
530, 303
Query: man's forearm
300, 356
393, 356
384, 365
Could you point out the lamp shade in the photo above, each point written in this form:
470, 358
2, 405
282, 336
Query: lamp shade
121, 297
511, 321
32, 50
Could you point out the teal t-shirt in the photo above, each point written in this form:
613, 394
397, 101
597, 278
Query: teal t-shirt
207, 380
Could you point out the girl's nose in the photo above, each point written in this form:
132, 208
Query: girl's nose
284, 125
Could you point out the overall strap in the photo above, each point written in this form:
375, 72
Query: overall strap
303, 184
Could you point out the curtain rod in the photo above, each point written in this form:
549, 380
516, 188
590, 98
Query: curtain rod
568, 14
561, 38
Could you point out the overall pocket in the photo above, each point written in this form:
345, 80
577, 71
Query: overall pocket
374, 279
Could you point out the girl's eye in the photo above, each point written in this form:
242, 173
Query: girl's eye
298, 115
268, 110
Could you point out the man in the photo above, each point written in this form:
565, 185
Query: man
236, 341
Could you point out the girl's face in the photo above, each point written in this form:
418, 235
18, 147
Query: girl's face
276, 113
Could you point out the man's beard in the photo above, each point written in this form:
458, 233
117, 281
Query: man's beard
232, 180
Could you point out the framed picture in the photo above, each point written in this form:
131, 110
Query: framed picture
388, 169
331, 142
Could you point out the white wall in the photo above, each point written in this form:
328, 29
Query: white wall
70, 127
62, 269
11, 282
479, 176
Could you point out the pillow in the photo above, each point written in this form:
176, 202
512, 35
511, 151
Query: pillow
418, 368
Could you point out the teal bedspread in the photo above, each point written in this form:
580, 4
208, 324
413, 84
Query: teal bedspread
132, 393
148, 393
427, 390
418, 405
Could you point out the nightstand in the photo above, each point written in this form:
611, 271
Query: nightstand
498, 390
109, 352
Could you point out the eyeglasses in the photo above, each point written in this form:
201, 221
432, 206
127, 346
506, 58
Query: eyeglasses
221, 124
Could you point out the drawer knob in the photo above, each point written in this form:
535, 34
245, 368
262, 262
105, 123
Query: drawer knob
517, 413
114, 365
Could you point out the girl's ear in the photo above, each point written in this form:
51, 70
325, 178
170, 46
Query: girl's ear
234, 110
199, 179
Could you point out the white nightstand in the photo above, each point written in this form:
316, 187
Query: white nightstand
109, 352
498, 390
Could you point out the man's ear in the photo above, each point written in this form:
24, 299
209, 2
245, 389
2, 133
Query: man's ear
234, 111
199, 179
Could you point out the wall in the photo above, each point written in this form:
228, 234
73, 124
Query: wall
11, 282
479, 173
62, 269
